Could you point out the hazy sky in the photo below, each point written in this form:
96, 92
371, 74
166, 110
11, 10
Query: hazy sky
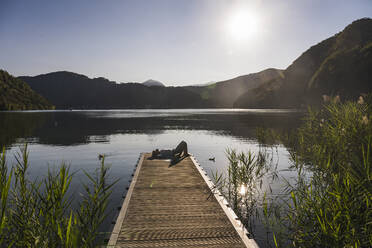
178, 42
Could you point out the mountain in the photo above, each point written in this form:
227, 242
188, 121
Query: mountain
17, 95
151, 82
340, 65
223, 94
71, 90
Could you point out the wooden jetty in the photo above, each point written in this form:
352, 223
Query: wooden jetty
169, 207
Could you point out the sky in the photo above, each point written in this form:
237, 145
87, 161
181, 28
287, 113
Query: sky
177, 42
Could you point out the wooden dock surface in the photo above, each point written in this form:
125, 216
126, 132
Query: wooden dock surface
168, 207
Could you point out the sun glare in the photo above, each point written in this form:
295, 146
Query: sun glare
242, 25
242, 190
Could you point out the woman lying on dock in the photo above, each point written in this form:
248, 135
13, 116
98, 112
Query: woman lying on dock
180, 152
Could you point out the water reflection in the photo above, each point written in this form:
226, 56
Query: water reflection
18, 125
67, 128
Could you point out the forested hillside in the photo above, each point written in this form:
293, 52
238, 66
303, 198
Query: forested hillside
340, 65
224, 94
71, 90
15, 94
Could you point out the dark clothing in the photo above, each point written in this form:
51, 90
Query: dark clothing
165, 154
177, 153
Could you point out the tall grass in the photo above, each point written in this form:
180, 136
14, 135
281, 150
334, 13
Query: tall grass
38, 213
242, 185
332, 207
330, 202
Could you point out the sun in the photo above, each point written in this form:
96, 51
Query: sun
242, 25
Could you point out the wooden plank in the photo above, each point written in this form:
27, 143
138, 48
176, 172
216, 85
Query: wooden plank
238, 226
169, 207
115, 232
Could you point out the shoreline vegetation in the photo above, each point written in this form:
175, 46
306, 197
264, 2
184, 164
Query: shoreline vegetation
38, 213
329, 203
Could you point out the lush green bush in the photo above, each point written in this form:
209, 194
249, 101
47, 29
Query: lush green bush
38, 213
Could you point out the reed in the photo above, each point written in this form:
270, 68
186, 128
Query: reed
329, 203
242, 185
39, 214
335, 144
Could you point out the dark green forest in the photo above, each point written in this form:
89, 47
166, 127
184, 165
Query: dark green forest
15, 94
71, 90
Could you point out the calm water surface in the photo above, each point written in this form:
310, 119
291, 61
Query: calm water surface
78, 137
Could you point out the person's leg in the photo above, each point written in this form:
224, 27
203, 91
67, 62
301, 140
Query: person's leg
181, 148
185, 153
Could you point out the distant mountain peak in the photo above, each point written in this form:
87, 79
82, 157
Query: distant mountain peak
152, 82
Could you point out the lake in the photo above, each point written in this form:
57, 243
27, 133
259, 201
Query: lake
77, 138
